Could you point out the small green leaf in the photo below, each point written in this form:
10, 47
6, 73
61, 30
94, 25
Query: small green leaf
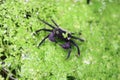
65, 35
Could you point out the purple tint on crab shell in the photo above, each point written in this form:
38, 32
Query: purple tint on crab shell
51, 37
66, 45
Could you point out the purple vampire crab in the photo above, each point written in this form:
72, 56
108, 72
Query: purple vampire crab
57, 34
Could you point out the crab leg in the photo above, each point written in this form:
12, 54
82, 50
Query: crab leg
76, 47
69, 53
54, 22
43, 40
43, 30
46, 23
77, 38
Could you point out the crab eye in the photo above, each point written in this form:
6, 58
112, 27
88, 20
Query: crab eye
57, 32
68, 38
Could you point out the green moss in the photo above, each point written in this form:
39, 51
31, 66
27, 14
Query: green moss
98, 23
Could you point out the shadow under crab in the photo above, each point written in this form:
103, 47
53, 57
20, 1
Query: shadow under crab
57, 33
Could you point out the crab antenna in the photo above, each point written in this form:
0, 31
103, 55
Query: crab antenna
46, 23
54, 23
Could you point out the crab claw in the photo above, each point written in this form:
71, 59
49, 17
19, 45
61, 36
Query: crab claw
66, 45
51, 37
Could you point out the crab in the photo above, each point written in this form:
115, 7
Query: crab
57, 34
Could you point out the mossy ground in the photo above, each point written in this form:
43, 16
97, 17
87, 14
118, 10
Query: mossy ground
98, 22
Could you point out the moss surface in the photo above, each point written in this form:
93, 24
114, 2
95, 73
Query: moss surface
98, 22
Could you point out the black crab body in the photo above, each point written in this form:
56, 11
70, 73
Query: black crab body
58, 33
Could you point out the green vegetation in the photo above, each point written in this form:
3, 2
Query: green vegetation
99, 23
